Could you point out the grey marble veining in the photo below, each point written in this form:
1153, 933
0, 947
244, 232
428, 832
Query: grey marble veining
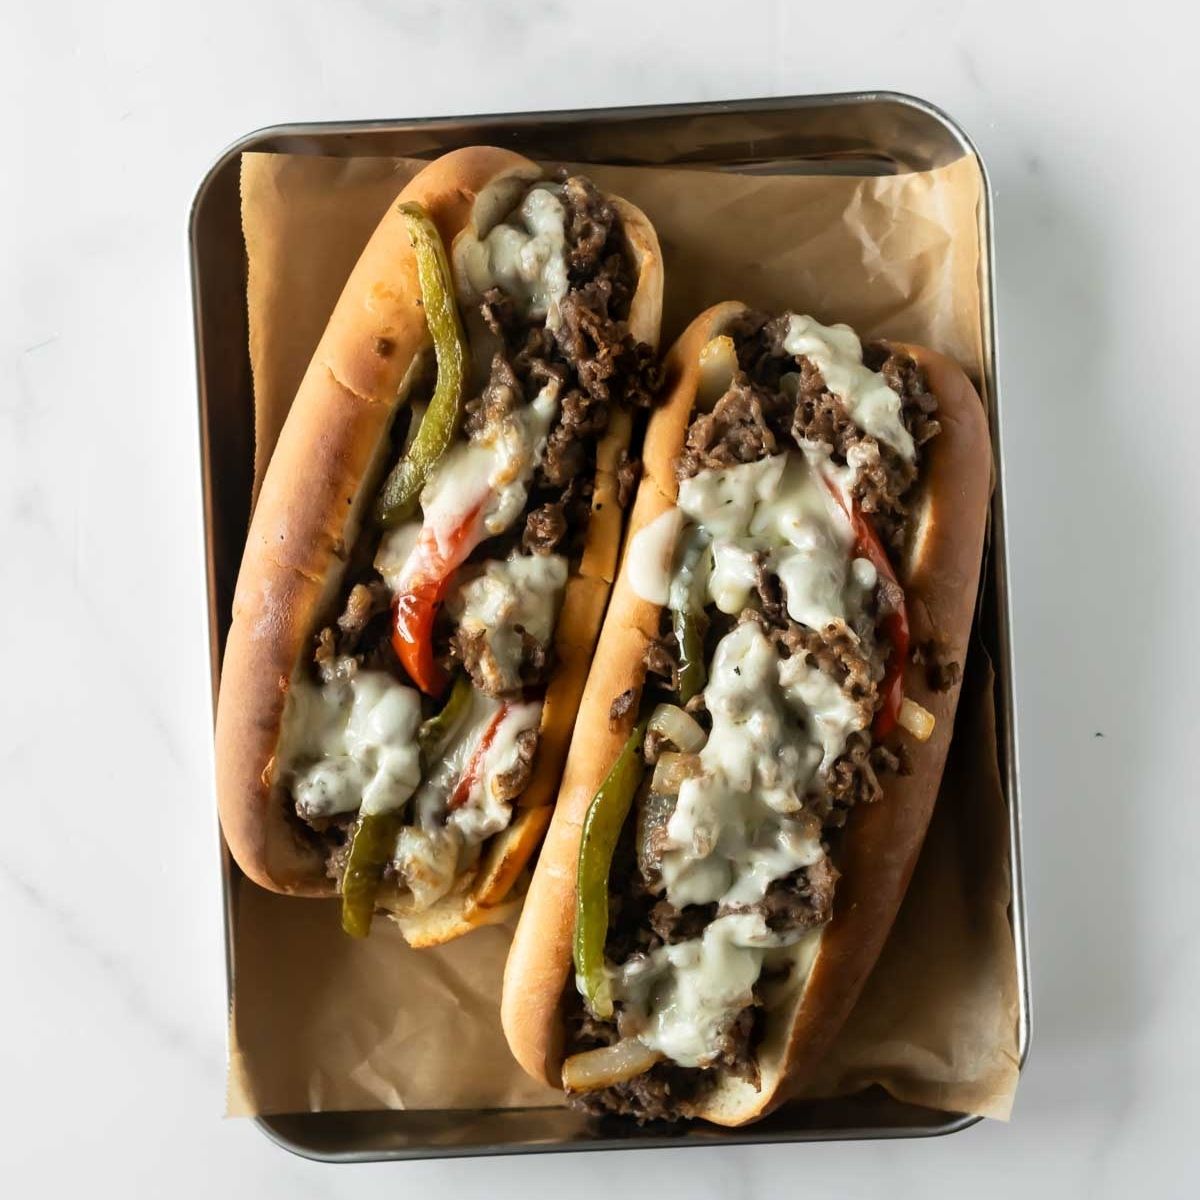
113, 1002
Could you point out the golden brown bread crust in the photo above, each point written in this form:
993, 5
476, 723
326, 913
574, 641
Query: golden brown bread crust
882, 841
335, 441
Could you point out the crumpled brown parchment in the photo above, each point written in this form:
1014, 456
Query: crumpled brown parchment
320, 1022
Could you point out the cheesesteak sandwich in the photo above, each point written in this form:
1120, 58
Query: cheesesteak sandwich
763, 733
432, 549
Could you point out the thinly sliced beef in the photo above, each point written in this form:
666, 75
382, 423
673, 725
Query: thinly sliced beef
473, 649
502, 395
735, 1047
664, 1093
653, 813
681, 924
545, 527
852, 780
338, 833
591, 225
836, 650
660, 659
365, 602
738, 430
775, 402
801, 900
941, 672
508, 785
905, 377
359, 636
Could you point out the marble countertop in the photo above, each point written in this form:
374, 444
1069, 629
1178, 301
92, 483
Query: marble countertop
113, 1003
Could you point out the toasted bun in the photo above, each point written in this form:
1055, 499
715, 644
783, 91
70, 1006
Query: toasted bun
882, 841
323, 475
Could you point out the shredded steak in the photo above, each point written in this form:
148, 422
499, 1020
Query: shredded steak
621, 706
774, 403
508, 785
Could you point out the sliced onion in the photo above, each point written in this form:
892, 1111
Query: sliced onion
678, 727
671, 770
917, 720
602, 1068
718, 365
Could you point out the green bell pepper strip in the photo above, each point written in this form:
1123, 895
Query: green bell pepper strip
433, 733
375, 834
398, 497
687, 621
691, 654
374, 842
601, 829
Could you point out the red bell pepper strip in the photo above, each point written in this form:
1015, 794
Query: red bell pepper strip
474, 766
422, 587
895, 625
867, 545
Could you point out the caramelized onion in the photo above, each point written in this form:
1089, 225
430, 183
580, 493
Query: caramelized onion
671, 770
718, 365
678, 727
917, 720
594, 1069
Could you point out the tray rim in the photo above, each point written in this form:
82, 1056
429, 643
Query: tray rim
1009, 744
959, 1123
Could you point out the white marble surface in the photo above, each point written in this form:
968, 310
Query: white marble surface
112, 1001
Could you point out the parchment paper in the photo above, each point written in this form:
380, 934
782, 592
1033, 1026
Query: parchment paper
321, 1022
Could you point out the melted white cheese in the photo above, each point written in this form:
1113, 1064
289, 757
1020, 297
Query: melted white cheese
832, 715
680, 999
429, 805
519, 594
810, 540
518, 447
685, 994
430, 854
650, 554
836, 352
350, 745
427, 860
456, 488
693, 567
525, 255
483, 814
731, 579
739, 824
779, 508
394, 549
493, 471
723, 501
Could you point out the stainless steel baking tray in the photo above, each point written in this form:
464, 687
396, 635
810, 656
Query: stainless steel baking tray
855, 133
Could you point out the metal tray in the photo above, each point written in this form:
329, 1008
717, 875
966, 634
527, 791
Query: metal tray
876, 133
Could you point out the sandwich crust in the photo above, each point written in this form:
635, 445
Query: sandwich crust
318, 489
940, 574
